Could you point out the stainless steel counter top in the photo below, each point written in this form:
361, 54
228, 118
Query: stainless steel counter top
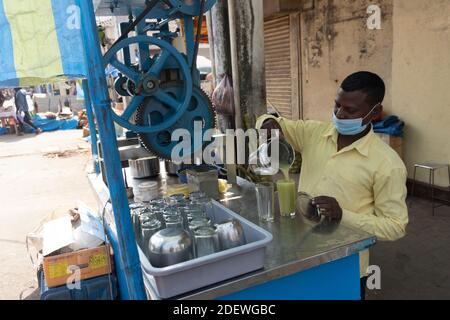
296, 246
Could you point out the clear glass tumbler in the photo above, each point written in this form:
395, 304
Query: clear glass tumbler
198, 223
265, 199
204, 179
196, 195
176, 200
174, 221
206, 241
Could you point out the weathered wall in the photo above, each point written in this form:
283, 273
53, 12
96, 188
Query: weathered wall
411, 53
273, 8
421, 80
336, 42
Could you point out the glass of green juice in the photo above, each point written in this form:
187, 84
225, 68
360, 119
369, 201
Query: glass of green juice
286, 197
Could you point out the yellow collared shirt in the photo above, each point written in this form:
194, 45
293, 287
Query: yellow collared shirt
367, 178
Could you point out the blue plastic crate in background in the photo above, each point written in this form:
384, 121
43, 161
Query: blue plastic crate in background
98, 288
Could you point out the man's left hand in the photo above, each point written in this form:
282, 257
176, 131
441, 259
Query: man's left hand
329, 208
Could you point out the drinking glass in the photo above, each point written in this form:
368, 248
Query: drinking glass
205, 179
265, 199
198, 223
286, 197
173, 221
206, 241
176, 200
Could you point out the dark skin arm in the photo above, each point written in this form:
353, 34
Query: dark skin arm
271, 124
329, 208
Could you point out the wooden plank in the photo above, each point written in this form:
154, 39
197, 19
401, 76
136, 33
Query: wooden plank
279, 104
283, 94
275, 59
277, 21
272, 34
278, 66
276, 32
278, 55
276, 50
295, 61
275, 91
285, 98
281, 32
280, 88
275, 79
278, 72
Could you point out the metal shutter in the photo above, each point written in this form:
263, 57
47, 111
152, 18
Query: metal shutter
278, 65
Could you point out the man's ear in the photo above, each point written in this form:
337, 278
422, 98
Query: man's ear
377, 113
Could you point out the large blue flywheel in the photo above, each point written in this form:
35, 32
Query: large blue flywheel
147, 82
153, 112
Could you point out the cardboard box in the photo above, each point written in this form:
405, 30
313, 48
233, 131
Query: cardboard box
86, 132
395, 143
91, 263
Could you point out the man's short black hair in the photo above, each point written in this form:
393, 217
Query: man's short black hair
366, 82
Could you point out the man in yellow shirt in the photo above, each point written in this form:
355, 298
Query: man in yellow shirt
355, 177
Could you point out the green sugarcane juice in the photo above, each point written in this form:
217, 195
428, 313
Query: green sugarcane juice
286, 193
286, 197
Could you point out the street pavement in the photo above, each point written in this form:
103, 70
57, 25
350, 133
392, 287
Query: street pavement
39, 175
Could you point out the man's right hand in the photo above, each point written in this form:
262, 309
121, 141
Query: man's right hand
271, 124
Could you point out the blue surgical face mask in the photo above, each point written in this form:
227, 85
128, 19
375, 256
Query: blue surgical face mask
351, 127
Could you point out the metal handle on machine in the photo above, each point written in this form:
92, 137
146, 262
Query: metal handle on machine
149, 7
198, 36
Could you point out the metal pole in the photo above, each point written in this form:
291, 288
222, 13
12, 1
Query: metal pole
246, 21
129, 271
219, 39
211, 44
93, 133
219, 35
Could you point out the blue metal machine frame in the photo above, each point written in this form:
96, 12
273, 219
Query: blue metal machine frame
91, 120
98, 105
131, 285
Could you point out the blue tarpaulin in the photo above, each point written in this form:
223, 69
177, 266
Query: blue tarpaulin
40, 42
46, 124
390, 125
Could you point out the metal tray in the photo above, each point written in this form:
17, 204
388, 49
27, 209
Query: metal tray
190, 275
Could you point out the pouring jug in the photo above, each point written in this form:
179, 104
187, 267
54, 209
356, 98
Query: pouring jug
272, 154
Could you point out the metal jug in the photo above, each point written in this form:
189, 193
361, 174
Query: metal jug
272, 155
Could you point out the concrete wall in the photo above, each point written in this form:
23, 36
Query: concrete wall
411, 53
421, 80
53, 103
335, 42
273, 8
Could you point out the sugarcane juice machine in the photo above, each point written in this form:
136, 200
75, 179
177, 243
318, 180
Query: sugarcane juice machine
162, 83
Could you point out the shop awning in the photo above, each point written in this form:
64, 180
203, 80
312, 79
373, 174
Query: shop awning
40, 42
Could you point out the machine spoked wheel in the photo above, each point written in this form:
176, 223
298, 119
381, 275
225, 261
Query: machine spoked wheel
147, 85
153, 113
